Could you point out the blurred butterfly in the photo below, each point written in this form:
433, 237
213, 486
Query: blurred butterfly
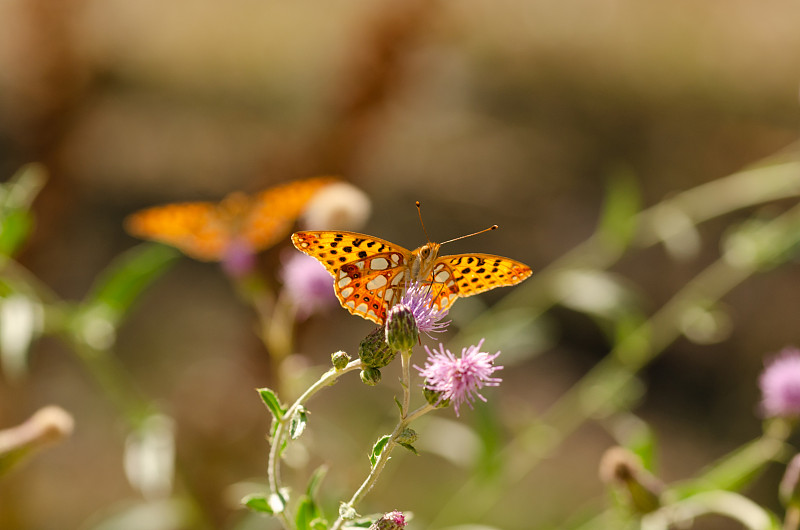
239, 223
370, 273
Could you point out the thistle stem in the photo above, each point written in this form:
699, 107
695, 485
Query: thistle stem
273, 464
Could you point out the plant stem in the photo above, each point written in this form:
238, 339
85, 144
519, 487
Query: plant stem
405, 358
273, 464
405, 419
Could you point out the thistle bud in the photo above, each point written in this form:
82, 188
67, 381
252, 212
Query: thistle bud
370, 376
406, 436
373, 350
339, 360
621, 468
401, 328
434, 397
390, 521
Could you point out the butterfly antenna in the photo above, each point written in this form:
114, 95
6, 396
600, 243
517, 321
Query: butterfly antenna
493, 227
419, 212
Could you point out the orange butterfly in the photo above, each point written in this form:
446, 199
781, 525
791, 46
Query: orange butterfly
210, 231
370, 273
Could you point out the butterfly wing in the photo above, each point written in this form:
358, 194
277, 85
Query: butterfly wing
461, 275
275, 210
193, 227
368, 272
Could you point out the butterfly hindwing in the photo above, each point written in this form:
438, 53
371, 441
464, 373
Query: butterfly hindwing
476, 273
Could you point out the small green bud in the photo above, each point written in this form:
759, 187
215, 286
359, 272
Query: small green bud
373, 350
406, 436
401, 328
371, 376
339, 360
621, 468
434, 397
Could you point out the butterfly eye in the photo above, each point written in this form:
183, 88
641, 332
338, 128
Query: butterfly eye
425, 252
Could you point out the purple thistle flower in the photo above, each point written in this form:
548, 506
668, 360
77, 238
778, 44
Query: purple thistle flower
780, 385
390, 521
239, 259
418, 299
308, 284
459, 379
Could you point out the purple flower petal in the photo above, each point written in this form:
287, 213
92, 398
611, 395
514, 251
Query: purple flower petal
780, 385
459, 379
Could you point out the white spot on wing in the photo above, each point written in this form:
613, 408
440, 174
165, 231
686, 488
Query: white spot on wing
362, 308
398, 278
351, 304
442, 276
376, 282
344, 280
346, 293
379, 264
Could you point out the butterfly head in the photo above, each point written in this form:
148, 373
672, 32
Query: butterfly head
423, 261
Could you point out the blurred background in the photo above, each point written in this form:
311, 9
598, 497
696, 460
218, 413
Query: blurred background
509, 112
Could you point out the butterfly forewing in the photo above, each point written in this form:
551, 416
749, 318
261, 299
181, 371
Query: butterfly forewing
368, 271
193, 227
476, 273
274, 210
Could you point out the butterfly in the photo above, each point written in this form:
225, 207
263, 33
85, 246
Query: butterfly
211, 231
370, 273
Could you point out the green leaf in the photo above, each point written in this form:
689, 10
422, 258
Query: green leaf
257, 503
121, 283
307, 511
399, 405
15, 226
410, 448
316, 480
378, 448
270, 399
298, 422
622, 202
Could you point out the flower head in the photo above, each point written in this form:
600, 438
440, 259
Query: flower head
390, 521
308, 284
239, 258
459, 379
418, 298
401, 328
780, 385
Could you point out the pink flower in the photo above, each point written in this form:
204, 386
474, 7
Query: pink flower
780, 384
239, 259
308, 284
390, 521
418, 298
459, 379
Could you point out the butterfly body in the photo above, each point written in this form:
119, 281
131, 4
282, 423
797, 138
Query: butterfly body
370, 273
